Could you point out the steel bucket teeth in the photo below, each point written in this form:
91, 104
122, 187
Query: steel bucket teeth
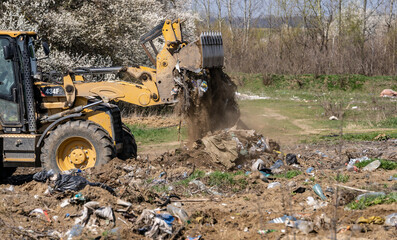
212, 49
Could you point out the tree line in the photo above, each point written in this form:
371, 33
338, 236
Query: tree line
305, 36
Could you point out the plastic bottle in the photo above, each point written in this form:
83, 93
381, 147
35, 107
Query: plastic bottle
370, 194
317, 189
179, 212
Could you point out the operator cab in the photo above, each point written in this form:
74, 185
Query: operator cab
18, 64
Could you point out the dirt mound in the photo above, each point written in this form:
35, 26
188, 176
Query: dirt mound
221, 203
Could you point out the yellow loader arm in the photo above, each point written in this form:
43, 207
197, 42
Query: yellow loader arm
145, 86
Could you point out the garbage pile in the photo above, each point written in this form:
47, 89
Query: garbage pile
231, 184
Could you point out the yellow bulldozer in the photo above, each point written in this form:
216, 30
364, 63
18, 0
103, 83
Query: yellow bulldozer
73, 123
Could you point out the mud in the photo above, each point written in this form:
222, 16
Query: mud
230, 212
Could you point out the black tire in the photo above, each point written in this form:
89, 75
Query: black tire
88, 130
130, 148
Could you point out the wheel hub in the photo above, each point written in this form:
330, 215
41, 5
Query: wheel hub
77, 156
75, 152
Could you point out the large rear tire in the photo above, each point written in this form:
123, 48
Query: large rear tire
130, 148
76, 144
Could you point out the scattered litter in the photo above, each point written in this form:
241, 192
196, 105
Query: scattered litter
282, 219
204, 188
67, 182
78, 198
105, 213
65, 203
258, 164
193, 238
351, 168
75, 231
157, 226
123, 203
178, 212
321, 154
329, 189
354, 107
101, 212
42, 176
372, 166
203, 87
40, 211
391, 220
315, 204
9, 189
391, 178
299, 190
73, 172
277, 164
310, 171
388, 93
273, 185
373, 219
304, 226
381, 137
266, 231
322, 221
243, 96
353, 161
246, 229
317, 189
370, 194
333, 118
291, 159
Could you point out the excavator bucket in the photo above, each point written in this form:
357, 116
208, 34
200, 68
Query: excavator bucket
212, 49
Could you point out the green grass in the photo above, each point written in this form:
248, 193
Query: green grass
145, 135
161, 188
219, 178
235, 181
384, 164
300, 105
257, 83
373, 200
289, 174
342, 178
197, 174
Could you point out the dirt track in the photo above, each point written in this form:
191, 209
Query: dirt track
232, 213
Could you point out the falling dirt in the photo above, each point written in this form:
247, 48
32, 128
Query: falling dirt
208, 110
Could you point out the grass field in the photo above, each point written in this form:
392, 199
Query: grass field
300, 106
